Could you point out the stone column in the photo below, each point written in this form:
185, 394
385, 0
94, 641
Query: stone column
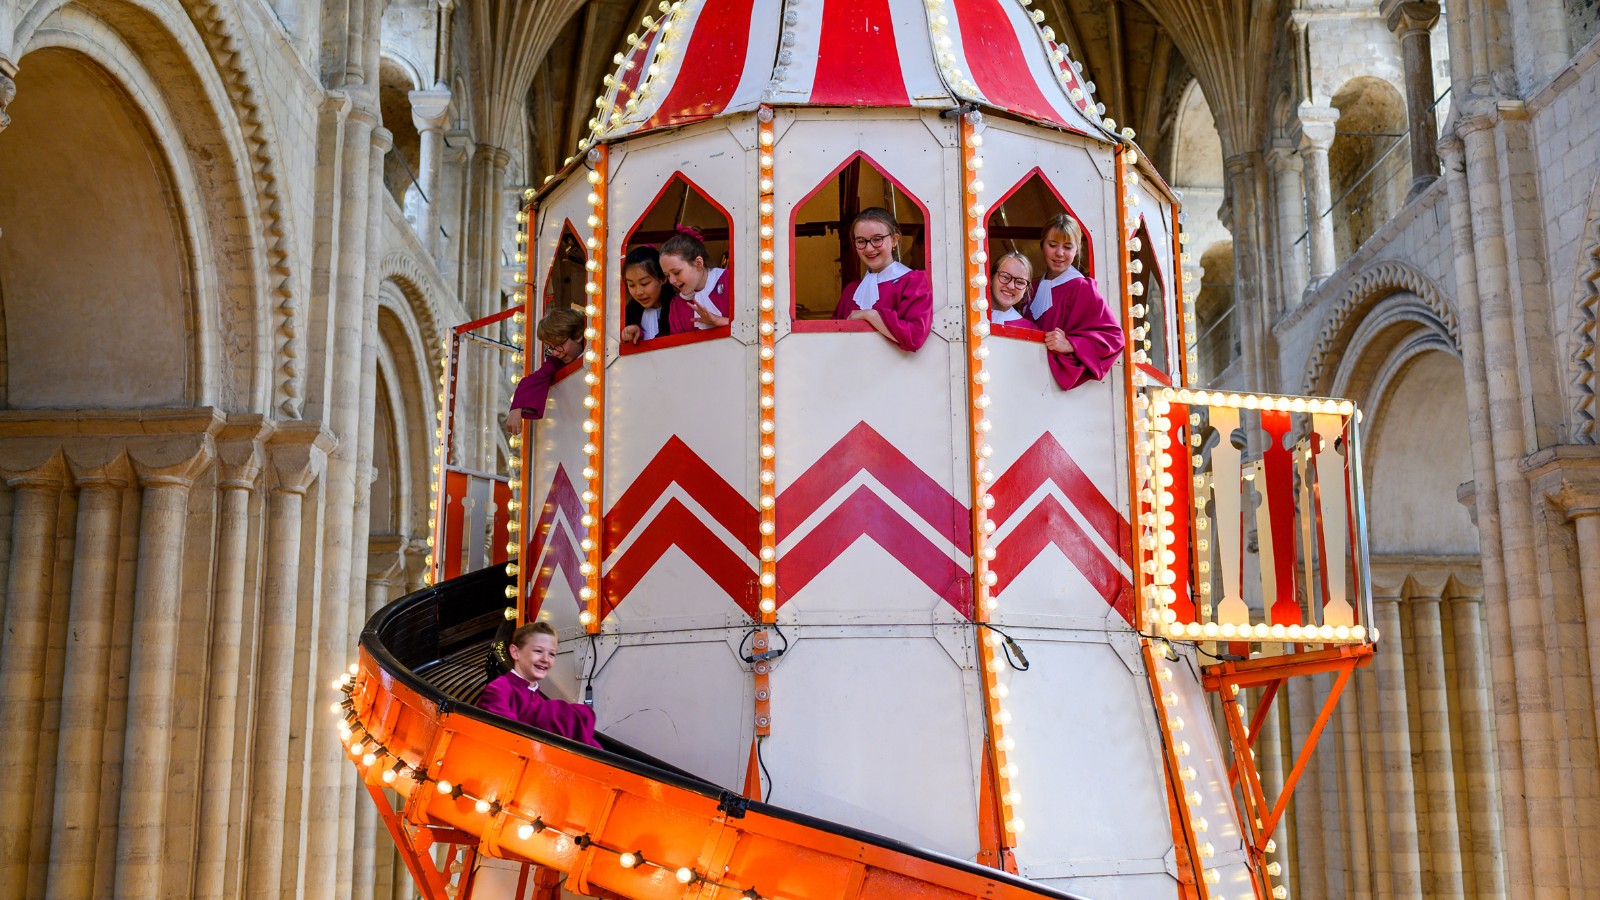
1290, 192
1481, 843
1411, 21
36, 503
1317, 130
430, 113
1426, 646
84, 679
1398, 785
1530, 680
323, 818
1366, 862
241, 465
295, 459
385, 564
1507, 730
166, 473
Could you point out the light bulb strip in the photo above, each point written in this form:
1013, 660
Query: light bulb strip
984, 602
767, 339
611, 107
524, 439
594, 353
367, 752
1186, 799
1187, 355
437, 539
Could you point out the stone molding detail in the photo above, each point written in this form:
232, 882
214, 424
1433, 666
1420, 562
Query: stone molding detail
1360, 295
1583, 354
218, 25
415, 280
8, 93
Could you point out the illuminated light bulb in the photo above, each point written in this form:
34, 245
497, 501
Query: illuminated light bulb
1212, 876
1271, 846
1187, 773
1274, 869
768, 606
524, 831
1175, 723
367, 759
628, 860
482, 806
585, 617
389, 776
444, 787
1279, 892
1017, 826
686, 875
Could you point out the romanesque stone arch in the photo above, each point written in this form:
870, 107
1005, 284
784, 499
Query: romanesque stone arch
1361, 296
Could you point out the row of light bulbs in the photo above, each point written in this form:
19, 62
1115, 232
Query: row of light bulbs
767, 345
983, 576
594, 359
367, 751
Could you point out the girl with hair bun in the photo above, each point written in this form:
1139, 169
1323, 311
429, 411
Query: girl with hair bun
1079, 331
896, 300
685, 262
654, 308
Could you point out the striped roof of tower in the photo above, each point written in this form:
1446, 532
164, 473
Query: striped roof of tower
707, 58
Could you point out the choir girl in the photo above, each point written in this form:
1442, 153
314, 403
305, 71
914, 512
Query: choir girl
1081, 334
709, 290
654, 308
896, 300
561, 332
1009, 287
516, 695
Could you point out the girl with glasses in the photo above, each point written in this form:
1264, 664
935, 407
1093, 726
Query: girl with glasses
1008, 287
1079, 331
709, 290
896, 300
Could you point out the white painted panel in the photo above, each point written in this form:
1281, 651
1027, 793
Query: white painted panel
1087, 756
683, 703
558, 441
872, 732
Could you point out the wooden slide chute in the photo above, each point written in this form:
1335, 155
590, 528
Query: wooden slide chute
613, 822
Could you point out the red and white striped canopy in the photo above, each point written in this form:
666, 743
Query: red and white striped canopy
707, 58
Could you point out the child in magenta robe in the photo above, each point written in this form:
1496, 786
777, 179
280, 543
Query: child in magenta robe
516, 695
561, 332
896, 300
708, 290
1082, 336
1009, 286
654, 308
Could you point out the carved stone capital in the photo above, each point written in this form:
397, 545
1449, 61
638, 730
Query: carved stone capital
114, 473
386, 557
49, 473
1406, 17
430, 110
176, 460
296, 456
1317, 127
1281, 156
1568, 477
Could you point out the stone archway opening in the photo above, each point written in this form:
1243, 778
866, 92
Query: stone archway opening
95, 267
1369, 172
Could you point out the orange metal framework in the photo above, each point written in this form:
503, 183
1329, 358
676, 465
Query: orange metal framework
609, 829
1269, 673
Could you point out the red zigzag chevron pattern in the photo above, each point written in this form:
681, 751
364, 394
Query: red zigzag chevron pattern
943, 564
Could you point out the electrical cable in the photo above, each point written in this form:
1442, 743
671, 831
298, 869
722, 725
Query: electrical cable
1013, 650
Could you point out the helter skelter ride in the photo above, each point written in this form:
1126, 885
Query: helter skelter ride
906, 599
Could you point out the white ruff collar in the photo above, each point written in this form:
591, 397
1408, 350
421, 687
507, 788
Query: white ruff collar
1041, 297
866, 295
1002, 316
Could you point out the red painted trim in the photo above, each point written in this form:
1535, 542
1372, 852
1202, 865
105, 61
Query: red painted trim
1050, 523
1278, 473
865, 514
1048, 460
794, 222
712, 65
864, 448
675, 462
858, 60
832, 326
1153, 372
677, 526
1017, 333
696, 336
490, 319
549, 273
998, 62
1038, 172
687, 337
1182, 470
